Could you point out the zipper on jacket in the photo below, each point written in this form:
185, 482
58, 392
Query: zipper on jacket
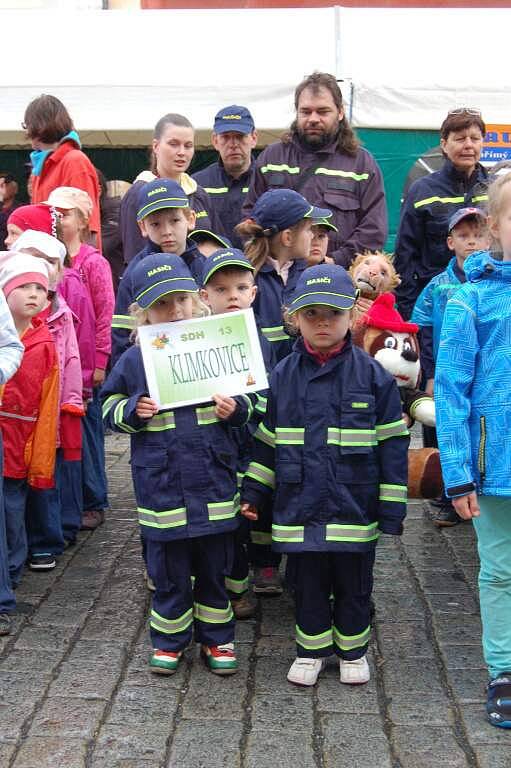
481, 457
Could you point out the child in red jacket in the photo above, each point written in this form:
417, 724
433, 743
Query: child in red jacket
29, 401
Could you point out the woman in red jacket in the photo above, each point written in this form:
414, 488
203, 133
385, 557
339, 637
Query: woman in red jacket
57, 158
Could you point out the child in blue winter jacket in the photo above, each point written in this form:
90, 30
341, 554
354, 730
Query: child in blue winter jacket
468, 233
332, 449
473, 404
183, 465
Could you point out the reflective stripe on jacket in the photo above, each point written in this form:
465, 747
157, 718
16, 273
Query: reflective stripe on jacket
332, 448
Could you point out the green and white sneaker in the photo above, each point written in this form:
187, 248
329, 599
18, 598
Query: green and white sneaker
220, 659
164, 662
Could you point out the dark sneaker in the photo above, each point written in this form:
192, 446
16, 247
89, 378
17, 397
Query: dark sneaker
498, 705
244, 606
220, 659
42, 562
267, 581
5, 624
92, 519
444, 516
164, 662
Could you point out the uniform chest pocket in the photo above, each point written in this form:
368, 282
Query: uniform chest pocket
356, 433
341, 201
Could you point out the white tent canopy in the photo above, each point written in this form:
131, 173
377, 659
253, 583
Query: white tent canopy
119, 71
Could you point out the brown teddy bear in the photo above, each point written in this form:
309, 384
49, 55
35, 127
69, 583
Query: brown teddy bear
373, 273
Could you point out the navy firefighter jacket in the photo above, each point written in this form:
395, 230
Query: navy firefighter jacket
332, 449
272, 295
122, 322
183, 461
226, 197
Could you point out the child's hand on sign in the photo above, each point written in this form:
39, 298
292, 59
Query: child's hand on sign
225, 406
146, 408
249, 511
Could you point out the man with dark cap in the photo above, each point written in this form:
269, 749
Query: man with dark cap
227, 181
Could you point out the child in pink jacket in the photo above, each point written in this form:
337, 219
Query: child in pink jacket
75, 207
54, 515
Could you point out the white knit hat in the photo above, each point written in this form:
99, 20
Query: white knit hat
50, 246
20, 268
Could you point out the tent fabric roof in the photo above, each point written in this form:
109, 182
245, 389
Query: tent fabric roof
118, 72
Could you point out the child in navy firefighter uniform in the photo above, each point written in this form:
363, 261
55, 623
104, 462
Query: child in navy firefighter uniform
165, 219
332, 449
280, 233
228, 286
183, 464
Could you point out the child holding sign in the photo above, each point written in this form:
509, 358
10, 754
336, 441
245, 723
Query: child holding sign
183, 465
332, 450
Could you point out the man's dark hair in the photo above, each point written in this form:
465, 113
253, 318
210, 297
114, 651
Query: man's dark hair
47, 119
347, 141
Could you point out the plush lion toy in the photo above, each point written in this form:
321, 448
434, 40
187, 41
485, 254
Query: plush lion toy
373, 273
384, 335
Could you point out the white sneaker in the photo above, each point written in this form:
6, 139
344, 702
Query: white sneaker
305, 671
354, 672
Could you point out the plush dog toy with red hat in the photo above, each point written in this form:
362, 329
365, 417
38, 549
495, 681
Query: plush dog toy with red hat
384, 335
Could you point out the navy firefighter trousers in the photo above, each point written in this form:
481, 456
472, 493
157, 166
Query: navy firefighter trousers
344, 627
183, 606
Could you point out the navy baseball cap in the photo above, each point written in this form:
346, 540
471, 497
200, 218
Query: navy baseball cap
158, 194
224, 257
199, 235
278, 209
324, 223
233, 118
465, 213
326, 284
159, 274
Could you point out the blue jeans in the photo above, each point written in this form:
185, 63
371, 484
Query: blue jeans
493, 529
15, 500
54, 514
7, 599
94, 483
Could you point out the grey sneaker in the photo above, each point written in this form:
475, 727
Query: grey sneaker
267, 581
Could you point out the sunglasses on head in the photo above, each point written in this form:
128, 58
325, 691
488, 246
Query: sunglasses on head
465, 111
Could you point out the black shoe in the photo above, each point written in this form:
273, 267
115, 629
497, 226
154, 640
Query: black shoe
498, 705
42, 562
444, 516
5, 624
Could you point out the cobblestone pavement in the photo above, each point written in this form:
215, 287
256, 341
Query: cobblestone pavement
75, 690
